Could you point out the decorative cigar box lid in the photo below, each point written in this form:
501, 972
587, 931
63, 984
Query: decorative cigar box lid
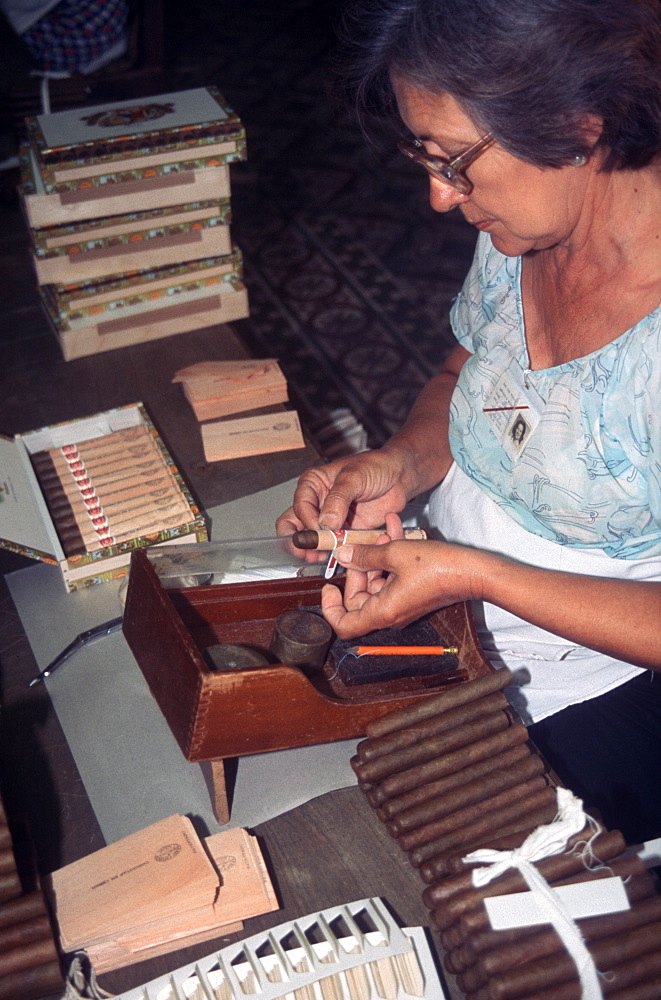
132, 228
137, 127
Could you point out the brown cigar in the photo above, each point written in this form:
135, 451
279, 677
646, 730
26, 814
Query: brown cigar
487, 821
413, 777
159, 486
37, 953
608, 954
412, 714
466, 795
38, 981
400, 739
437, 789
25, 933
7, 861
416, 839
547, 942
10, 886
435, 746
605, 847
637, 887
91, 445
23, 908
505, 838
487, 942
636, 980
512, 881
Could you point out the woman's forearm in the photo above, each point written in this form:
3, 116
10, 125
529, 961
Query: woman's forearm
424, 437
619, 618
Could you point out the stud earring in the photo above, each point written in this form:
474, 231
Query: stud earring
579, 160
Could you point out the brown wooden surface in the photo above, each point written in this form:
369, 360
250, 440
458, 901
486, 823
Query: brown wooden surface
330, 850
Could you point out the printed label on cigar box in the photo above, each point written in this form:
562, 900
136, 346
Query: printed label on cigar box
252, 436
582, 899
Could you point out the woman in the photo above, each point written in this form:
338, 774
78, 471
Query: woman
541, 121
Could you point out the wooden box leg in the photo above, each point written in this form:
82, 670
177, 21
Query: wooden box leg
214, 773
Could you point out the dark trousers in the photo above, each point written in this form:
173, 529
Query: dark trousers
608, 752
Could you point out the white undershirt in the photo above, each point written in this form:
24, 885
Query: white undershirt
552, 673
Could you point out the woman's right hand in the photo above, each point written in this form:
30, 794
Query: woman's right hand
354, 492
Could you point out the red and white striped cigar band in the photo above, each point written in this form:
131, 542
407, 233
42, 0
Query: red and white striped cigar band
109, 540
77, 466
91, 500
101, 524
69, 450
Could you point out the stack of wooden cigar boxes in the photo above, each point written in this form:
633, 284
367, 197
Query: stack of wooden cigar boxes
83, 494
129, 211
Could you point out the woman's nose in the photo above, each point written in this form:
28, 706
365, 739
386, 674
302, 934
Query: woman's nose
444, 197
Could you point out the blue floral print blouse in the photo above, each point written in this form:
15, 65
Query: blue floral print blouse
588, 473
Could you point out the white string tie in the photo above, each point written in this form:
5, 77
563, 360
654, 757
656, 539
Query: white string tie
339, 538
545, 841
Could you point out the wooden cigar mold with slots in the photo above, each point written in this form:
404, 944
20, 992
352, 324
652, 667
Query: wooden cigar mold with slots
217, 714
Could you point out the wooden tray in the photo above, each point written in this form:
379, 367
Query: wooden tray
214, 715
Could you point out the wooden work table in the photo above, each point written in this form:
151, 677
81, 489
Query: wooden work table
329, 850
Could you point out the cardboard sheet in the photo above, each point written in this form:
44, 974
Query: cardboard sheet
133, 770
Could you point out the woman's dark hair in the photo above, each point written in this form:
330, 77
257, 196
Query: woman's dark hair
529, 71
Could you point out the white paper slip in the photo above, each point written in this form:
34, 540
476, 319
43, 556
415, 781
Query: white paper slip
583, 899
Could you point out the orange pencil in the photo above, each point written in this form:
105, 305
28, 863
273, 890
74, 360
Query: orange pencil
402, 650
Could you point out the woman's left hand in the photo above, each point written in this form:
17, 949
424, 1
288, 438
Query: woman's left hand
392, 584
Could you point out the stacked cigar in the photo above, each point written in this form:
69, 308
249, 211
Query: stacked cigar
109, 490
29, 964
456, 773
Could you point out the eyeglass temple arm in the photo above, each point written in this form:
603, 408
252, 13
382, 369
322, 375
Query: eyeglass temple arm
469, 154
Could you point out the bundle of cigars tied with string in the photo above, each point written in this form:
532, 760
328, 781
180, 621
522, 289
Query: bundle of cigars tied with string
456, 773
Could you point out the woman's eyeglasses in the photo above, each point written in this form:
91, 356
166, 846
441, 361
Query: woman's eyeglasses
448, 171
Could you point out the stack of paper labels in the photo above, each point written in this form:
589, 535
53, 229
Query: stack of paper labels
128, 206
159, 890
222, 388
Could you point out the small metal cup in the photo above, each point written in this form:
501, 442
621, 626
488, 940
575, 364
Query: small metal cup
301, 638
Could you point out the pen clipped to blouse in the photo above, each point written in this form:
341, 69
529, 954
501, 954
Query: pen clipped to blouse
114, 625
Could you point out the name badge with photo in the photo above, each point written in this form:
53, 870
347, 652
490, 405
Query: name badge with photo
514, 408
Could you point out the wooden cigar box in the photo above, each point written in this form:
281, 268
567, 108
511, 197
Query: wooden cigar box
215, 714
86, 163
197, 182
148, 305
162, 129
85, 251
26, 524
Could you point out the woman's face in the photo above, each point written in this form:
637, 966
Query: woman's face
521, 206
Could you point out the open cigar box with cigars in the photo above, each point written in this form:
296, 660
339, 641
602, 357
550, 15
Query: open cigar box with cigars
217, 713
84, 493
